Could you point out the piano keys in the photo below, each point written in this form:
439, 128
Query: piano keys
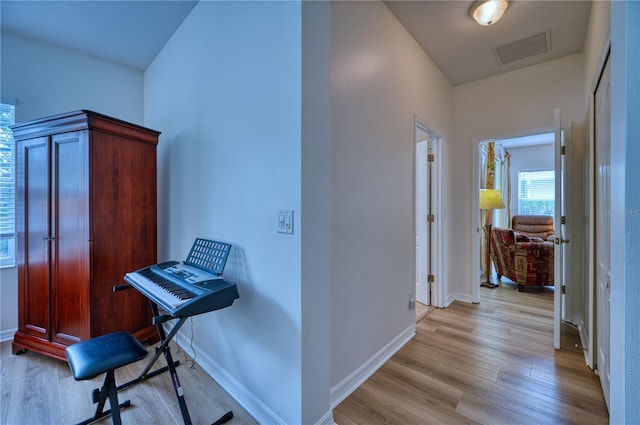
182, 290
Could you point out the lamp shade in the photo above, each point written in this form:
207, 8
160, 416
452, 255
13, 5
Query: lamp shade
490, 199
487, 12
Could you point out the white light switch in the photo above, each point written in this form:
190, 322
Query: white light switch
285, 221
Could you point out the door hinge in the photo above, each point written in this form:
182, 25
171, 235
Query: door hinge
430, 157
430, 278
563, 150
564, 289
563, 220
431, 218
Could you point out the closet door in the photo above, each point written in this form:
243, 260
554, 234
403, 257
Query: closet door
70, 281
32, 210
603, 226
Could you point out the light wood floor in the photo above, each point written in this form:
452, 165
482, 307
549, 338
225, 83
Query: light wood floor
40, 390
422, 311
488, 363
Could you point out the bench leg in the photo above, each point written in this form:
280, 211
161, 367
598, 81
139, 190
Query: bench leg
113, 398
108, 390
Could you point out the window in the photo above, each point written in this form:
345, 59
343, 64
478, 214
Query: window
536, 192
7, 187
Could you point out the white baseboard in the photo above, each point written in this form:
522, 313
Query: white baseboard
457, 297
235, 389
326, 419
357, 378
7, 335
584, 341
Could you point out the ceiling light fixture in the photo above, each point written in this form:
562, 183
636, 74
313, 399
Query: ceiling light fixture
487, 12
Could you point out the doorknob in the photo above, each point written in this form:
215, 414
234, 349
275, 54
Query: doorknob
560, 240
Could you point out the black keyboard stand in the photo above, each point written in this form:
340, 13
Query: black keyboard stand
164, 348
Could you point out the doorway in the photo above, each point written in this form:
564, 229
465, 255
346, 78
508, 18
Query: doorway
558, 143
522, 171
429, 215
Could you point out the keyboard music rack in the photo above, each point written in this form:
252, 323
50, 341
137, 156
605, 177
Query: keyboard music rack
208, 255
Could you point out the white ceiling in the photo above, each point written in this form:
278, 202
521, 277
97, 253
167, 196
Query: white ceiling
129, 33
133, 32
463, 49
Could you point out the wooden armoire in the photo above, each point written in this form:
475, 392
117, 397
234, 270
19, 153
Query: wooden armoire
85, 216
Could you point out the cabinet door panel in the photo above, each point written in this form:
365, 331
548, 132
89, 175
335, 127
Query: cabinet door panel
32, 161
70, 256
123, 227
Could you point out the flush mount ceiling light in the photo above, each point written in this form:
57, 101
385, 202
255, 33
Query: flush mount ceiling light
487, 12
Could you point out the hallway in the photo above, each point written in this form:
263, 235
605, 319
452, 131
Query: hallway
490, 363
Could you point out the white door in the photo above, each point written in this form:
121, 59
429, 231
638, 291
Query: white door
422, 226
603, 221
560, 241
568, 303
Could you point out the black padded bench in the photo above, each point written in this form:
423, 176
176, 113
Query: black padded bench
104, 354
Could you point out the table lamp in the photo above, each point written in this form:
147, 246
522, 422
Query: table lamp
490, 199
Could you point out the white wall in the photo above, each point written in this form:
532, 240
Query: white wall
528, 158
594, 43
506, 105
316, 208
226, 93
625, 222
44, 80
380, 78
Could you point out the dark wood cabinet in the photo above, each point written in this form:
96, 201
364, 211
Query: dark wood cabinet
85, 215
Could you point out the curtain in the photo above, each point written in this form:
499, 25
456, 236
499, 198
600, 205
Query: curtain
483, 182
495, 163
506, 188
488, 166
502, 182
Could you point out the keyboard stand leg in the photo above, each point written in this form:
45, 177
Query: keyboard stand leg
224, 418
166, 350
160, 350
171, 367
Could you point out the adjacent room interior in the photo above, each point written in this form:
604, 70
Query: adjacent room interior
522, 171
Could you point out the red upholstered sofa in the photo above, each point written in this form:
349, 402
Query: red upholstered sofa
533, 226
527, 263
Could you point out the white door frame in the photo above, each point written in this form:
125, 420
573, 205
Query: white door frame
591, 340
424, 232
603, 245
558, 248
438, 288
588, 335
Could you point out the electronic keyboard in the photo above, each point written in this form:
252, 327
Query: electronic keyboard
189, 288
182, 290
177, 296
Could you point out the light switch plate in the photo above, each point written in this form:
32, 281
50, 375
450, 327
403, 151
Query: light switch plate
285, 221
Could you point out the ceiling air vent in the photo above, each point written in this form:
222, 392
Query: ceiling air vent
530, 46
